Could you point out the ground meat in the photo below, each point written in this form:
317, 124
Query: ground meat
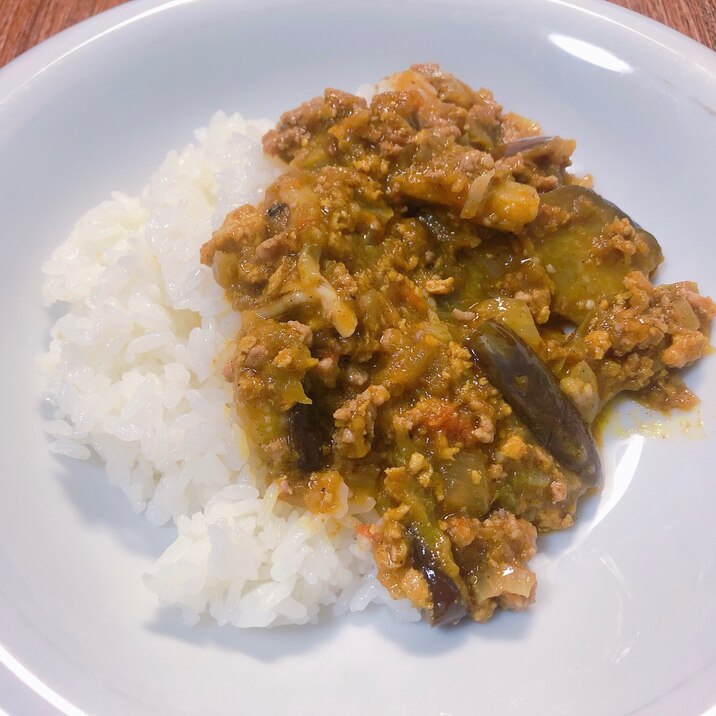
532, 285
355, 421
303, 331
326, 493
465, 316
392, 557
297, 126
646, 330
439, 286
493, 553
448, 87
273, 247
621, 238
242, 231
464, 424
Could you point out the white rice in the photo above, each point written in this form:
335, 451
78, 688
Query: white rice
134, 373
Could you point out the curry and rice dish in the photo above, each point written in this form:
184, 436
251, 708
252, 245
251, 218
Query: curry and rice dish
434, 311
355, 358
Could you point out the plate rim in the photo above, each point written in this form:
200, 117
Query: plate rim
21, 70
22, 689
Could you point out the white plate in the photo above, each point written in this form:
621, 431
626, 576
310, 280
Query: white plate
625, 620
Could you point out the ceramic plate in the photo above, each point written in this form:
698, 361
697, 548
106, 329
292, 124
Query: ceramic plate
626, 612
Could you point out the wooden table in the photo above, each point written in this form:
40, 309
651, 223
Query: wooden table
24, 23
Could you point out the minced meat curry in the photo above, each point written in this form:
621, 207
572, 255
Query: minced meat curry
434, 312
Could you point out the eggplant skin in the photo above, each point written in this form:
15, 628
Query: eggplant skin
533, 393
448, 605
305, 437
518, 146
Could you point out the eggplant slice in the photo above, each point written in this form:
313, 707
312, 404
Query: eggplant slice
532, 391
569, 237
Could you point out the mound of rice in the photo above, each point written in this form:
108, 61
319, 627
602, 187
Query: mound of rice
134, 372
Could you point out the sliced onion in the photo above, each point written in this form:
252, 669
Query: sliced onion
476, 194
284, 304
338, 311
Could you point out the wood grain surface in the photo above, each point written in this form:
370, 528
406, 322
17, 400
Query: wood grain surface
24, 23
